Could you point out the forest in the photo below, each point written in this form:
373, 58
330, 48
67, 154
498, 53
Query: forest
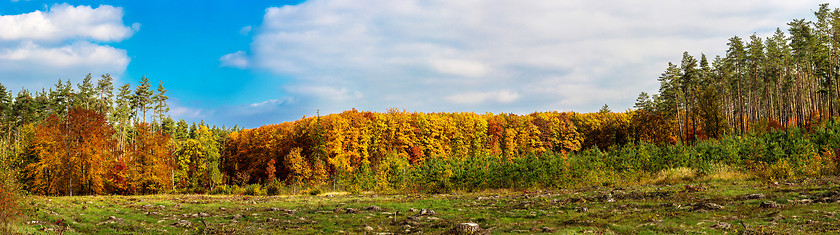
767, 107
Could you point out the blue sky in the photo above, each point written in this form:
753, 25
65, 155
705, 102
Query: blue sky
251, 63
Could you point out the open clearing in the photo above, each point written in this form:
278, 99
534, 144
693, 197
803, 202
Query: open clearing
797, 206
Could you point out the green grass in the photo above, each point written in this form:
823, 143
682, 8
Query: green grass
652, 208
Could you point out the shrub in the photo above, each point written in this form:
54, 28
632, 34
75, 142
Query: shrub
221, 189
235, 189
313, 191
10, 199
391, 174
434, 175
253, 190
273, 188
362, 179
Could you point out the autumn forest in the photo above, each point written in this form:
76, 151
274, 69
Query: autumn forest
767, 107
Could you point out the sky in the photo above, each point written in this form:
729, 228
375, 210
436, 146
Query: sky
257, 62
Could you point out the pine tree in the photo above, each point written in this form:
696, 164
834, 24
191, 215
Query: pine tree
142, 99
159, 100
84, 98
105, 94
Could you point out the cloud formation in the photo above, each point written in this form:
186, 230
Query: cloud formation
237, 60
498, 56
65, 41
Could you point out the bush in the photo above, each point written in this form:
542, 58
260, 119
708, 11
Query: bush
362, 179
391, 174
10, 198
221, 189
253, 190
273, 188
435, 174
313, 191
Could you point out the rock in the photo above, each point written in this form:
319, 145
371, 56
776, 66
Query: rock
237, 216
694, 188
410, 221
768, 204
722, 225
582, 209
426, 212
182, 223
412, 210
351, 210
273, 209
374, 208
202, 214
466, 228
711, 206
805, 201
755, 196
369, 228
114, 220
548, 229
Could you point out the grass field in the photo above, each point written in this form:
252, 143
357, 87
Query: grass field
751, 207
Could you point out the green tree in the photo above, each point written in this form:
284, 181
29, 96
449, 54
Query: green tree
84, 97
159, 100
142, 99
105, 93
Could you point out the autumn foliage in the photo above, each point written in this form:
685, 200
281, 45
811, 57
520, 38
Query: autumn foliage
316, 149
72, 154
76, 155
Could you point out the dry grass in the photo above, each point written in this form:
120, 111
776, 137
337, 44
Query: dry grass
727, 173
674, 176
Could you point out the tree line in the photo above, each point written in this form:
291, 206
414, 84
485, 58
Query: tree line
94, 139
784, 80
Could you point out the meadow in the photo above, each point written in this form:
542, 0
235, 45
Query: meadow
669, 205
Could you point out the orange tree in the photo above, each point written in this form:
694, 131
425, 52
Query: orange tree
72, 154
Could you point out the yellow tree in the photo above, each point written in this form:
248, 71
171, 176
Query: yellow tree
299, 169
47, 172
149, 161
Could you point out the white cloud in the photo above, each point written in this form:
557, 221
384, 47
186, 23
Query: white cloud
189, 113
237, 59
500, 56
481, 97
63, 22
464, 68
246, 30
78, 54
270, 103
63, 42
